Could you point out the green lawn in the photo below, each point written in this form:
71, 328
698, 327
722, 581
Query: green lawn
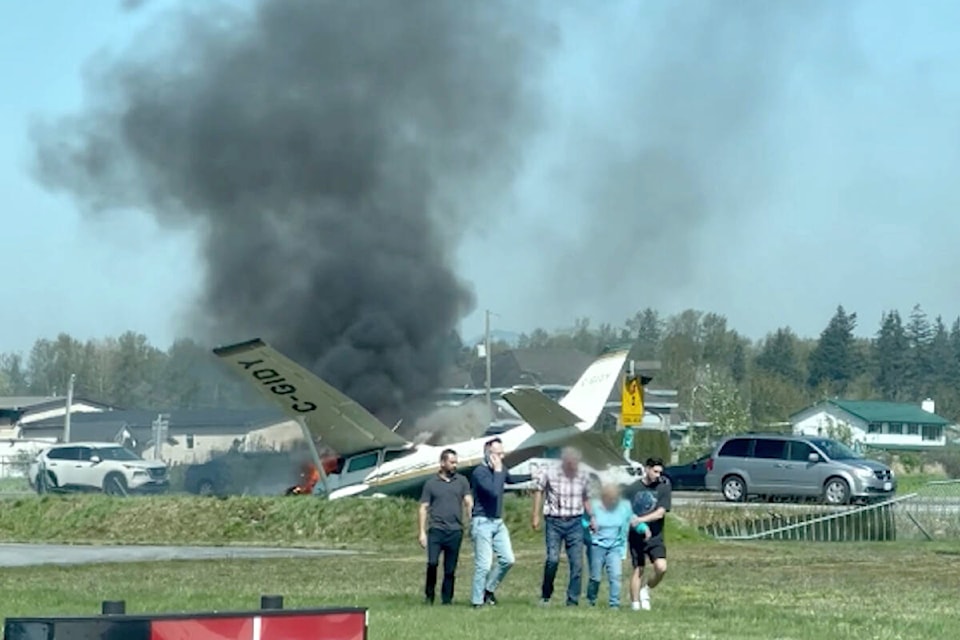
713, 590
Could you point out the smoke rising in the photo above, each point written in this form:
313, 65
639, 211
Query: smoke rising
330, 156
672, 144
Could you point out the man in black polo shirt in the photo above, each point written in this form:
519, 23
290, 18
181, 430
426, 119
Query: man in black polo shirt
443, 499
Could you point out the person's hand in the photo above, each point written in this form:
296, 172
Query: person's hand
535, 521
422, 538
496, 461
634, 521
647, 534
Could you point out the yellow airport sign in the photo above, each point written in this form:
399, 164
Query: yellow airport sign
631, 401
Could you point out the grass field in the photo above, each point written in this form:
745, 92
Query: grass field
712, 591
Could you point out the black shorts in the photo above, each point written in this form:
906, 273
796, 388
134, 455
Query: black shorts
654, 548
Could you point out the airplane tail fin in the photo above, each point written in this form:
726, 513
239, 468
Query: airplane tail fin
588, 397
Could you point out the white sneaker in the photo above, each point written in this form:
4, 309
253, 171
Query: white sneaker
645, 598
635, 605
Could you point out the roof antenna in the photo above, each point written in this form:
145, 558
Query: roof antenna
396, 425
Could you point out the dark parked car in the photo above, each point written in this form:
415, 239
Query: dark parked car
689, 476
245, 473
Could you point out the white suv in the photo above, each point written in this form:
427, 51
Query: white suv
103, 466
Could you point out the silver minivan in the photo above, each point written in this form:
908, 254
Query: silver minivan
795, 466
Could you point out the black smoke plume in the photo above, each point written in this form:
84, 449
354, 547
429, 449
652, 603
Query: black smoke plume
330, 155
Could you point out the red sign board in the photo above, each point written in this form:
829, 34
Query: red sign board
281, 624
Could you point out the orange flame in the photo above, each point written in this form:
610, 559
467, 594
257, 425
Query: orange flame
309, 477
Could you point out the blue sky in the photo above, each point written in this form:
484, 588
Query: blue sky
845, 192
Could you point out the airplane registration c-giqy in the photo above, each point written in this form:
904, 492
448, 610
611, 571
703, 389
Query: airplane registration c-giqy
374, 460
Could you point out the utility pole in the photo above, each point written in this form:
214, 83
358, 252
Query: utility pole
160, 426
66, 417
486, 341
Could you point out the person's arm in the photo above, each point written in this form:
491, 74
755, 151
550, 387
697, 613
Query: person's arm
541, 484
511, 478
663, 504
653, 516
422, 514
664, 495
587, 504
467, 504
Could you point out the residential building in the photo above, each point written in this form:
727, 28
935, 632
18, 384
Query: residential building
192, 434
19, 410
535, 366
875, 423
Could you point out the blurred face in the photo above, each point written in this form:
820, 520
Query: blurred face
653, 473
570, 463
609, 496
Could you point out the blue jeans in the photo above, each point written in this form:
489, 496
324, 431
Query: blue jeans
570, 532
490, 535
610, 559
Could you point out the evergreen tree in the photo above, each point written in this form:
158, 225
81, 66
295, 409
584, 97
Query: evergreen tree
834, 362
940, 355
646, 327
919, 337
779, 356
891, 353
954, 363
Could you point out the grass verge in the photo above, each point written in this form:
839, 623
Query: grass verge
712, 591
360, 523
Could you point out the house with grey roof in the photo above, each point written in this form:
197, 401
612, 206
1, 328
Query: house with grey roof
535, 366
875, 423
20, 410
193, 435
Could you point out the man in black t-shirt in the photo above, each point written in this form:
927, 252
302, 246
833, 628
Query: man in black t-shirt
442, 502
656, 486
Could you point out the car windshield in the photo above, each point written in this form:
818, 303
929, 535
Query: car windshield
836, 450
116, 453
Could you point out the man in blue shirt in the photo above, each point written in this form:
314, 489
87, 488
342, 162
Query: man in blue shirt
489, 533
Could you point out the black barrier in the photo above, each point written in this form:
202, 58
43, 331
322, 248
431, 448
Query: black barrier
270, 622
113, 607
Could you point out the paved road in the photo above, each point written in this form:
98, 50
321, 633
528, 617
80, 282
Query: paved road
20, 555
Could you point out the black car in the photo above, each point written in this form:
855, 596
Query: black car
689, 476
244, 473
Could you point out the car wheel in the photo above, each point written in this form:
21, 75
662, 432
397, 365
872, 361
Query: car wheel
115, 485
45, 487
734, 489
836, 491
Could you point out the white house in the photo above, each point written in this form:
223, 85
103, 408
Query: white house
875, 423
16, 411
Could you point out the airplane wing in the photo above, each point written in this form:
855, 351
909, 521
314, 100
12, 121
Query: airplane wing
597, 449
339, 422
538, 410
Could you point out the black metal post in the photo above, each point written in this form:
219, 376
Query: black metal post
113, 607
271, 602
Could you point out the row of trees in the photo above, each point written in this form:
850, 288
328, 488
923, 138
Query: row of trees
126, 371
721, 375
718, 371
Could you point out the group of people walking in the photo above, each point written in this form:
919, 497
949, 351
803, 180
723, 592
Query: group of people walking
601, 528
